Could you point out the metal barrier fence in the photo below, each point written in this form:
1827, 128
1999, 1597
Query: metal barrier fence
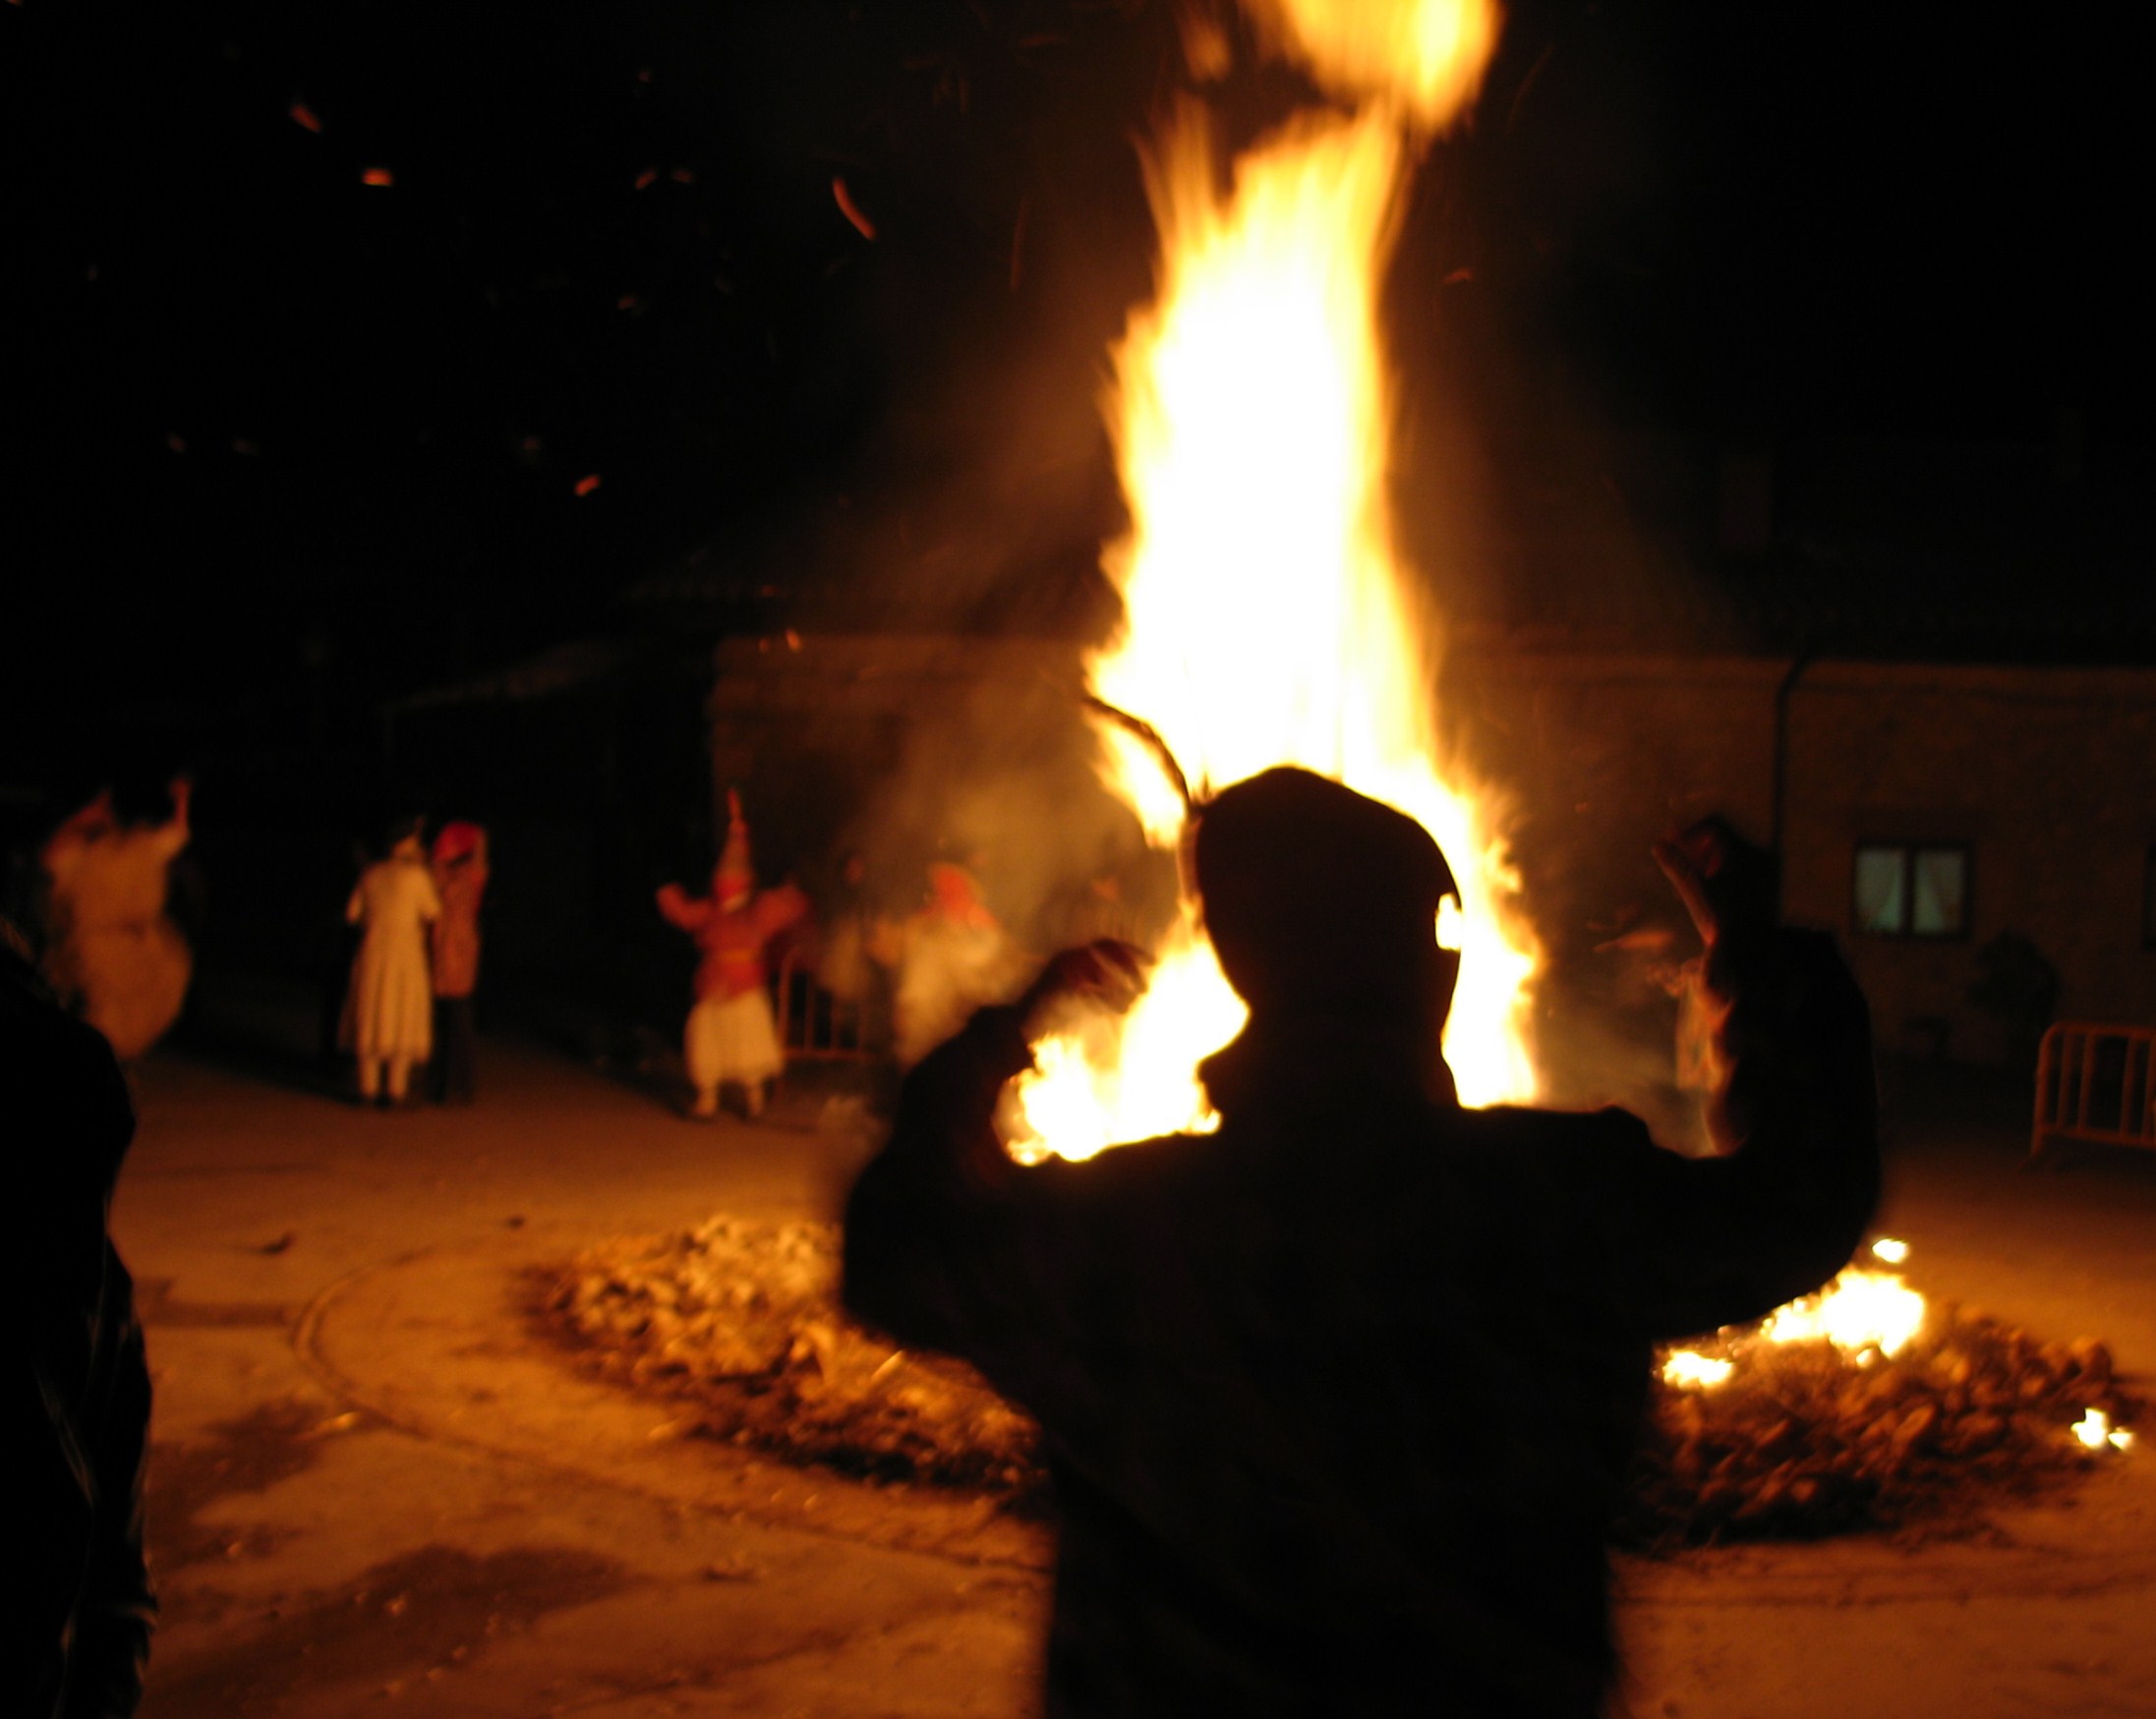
2095, 1082
814, 1026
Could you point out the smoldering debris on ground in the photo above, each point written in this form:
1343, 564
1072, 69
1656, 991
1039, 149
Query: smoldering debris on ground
738, 1321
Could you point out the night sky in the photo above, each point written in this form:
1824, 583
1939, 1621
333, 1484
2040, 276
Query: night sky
285, 440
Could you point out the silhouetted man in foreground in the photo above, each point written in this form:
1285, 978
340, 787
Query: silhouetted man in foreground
77, 1386
1339, 1402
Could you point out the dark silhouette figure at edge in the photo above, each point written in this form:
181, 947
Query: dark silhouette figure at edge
78, 1636
1339, 1402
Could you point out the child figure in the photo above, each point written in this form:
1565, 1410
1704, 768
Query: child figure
730, 1035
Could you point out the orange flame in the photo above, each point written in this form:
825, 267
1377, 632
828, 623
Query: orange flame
1864, 1314
1265, 620
1423, 59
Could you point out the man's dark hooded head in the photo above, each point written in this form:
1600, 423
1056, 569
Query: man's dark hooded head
1320, 901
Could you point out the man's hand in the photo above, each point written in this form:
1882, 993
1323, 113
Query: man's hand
1779, 1034
1726, 883
1107, 972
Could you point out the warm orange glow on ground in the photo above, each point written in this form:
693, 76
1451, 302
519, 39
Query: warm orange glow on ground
1266, 618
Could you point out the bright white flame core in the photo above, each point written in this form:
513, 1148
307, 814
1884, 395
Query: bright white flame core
1264, 619
1858, 1310
1889, 1249
1075, 1104
2095, 1431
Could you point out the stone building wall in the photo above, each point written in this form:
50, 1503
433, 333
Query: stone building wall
2047, 775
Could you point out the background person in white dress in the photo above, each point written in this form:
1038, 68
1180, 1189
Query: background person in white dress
390, 1009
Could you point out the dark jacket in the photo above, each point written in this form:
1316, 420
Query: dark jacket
1340, 1401
78, 1406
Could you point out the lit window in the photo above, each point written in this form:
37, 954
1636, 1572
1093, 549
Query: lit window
1940, 879
1905, 890
1882, 892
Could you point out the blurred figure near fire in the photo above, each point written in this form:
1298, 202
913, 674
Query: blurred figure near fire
113, 951
459, 867
952, 958
855, 946
390, 1009
846, 932
730, 1038
1340, 1401
1098, 914
78, 1385
1128, 903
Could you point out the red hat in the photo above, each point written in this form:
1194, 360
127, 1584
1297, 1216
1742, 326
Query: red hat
955, 895
457, 840
734, 879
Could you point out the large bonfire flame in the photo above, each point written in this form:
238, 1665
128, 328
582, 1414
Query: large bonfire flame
1266, 619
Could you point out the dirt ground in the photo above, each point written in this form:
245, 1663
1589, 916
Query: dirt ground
374, 1489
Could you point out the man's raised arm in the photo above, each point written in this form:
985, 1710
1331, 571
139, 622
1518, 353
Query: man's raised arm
1795, 1113
927, 1225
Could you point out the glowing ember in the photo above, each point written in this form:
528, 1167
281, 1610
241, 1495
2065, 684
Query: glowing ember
1683, 1367
1746, 1438
1866, 1316
1266, 619
2095, 1431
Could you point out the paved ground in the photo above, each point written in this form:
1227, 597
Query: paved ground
374, 1491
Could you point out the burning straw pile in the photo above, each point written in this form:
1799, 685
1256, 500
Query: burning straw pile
1858, 1409
1855, 1408
741, 1320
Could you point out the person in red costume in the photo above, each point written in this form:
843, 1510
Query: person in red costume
729, 1037
459, 868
